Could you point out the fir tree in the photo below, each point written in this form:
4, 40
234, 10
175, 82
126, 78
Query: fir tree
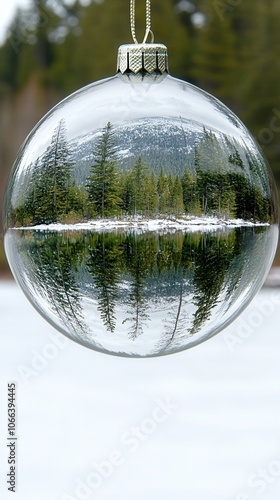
177, 201
190, 197
163, 193
30, 202
48, 196
152, 195
102, 184
139, 181
235, 159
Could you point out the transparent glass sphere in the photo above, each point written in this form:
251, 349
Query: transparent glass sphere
141, 216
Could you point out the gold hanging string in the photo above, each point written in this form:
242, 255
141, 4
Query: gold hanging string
148, 21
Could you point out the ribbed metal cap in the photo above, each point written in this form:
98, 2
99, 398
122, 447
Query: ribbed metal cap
143, 57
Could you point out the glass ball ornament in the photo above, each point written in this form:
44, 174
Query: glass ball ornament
141, 215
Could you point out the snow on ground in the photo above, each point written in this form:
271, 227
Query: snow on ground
76, 409
142, 224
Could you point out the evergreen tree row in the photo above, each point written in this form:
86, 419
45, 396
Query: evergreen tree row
53, 196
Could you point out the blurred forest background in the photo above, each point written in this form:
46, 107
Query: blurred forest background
229, 48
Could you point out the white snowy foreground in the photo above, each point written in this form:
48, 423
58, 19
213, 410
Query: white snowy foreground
161, 224
200, 425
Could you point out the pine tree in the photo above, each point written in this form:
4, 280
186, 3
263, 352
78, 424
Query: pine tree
30, 201
59, 168
163, 193
77, 200
102, 184
170, 180
177, 201
139, 179
125, 192
50, 183
152, 195
235, 159
190, 197
212, 182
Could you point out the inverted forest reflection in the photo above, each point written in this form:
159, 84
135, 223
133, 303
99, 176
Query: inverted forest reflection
136, 293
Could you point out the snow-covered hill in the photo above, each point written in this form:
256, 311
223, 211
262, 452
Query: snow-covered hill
160, 143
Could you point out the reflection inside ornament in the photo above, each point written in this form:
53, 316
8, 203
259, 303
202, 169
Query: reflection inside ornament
144, 230
140, 293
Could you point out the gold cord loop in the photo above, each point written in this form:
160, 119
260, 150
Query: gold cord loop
148, 21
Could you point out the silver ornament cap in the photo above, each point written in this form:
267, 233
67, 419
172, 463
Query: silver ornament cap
143, 57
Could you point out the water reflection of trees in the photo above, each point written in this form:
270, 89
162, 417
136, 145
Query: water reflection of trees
104, 264
182, 276
210, 268
56, 259
140, 261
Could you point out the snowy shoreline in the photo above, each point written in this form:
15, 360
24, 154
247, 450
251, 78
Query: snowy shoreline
149, 225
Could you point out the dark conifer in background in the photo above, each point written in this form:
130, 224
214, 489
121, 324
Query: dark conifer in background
102, 184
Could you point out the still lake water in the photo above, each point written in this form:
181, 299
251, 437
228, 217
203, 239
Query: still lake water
140, 294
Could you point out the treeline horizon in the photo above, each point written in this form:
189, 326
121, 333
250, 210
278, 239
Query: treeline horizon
53, 196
